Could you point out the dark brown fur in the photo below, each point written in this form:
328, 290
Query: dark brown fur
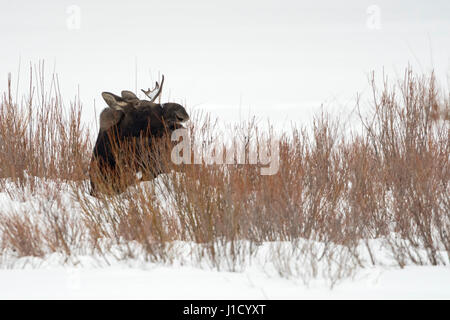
131, 130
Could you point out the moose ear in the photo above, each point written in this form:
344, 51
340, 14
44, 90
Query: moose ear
113, 101
109, 117
128, 95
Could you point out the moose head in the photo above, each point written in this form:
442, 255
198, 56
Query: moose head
130, 130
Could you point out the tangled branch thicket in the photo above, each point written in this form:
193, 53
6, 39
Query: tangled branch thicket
333, 201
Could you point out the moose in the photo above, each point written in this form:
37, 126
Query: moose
129, 141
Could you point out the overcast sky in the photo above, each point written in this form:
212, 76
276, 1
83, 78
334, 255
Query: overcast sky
227, 57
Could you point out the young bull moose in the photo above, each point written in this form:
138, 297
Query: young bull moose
132, 132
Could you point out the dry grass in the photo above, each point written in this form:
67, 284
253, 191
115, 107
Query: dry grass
332, 195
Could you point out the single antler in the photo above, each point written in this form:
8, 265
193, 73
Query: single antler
153, 94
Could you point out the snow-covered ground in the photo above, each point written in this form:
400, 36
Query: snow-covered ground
115, 275
161, 282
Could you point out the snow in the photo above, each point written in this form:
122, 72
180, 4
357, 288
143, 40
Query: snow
89, 275
159, 282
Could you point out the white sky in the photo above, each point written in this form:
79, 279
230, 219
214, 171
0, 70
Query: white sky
227, 57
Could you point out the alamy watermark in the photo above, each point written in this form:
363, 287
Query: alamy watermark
73, 280
264, 153
373, 21
73, 21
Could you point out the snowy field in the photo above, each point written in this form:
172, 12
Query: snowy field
112, 276
159, 282
281, 61
153, 281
